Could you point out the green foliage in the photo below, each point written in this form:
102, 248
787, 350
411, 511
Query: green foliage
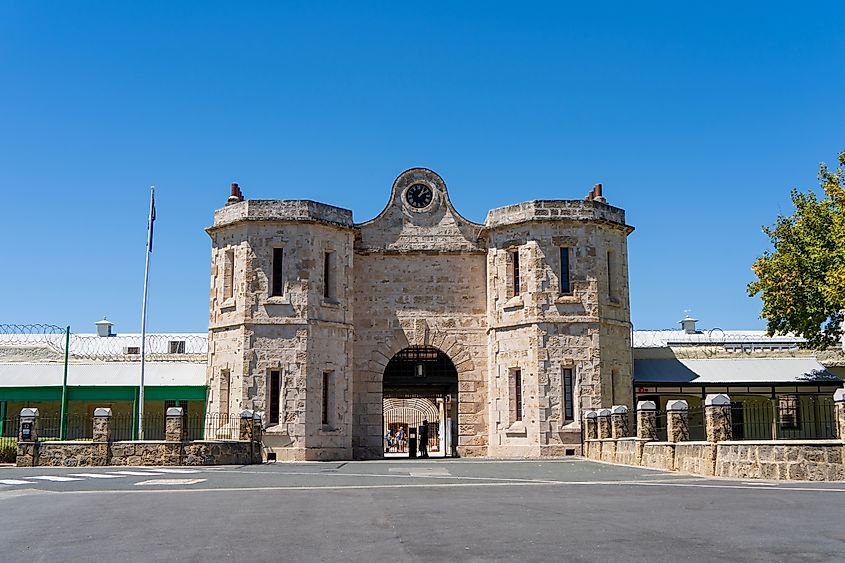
8, 449
802, 281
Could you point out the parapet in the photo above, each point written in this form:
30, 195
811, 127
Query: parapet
281, 210
556, 210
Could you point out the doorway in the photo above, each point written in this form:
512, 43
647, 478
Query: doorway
420, 387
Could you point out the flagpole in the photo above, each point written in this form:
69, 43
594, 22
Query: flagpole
144, 313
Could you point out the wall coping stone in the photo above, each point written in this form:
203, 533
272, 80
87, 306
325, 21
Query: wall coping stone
603, 412
102, 411
619, 409
174, 411
591, 414
717, 400
29, 413
646, 406
247, 414
839, 396
677, 406
780, 443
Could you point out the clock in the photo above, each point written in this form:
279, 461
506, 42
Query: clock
419, 196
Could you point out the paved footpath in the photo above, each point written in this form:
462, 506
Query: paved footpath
401, 510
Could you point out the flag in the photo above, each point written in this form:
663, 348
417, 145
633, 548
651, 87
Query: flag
152, 219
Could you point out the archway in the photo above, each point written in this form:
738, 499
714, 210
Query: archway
420, 384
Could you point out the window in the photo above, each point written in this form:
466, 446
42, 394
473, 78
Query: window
275, 392
133, 350
611, 274
225, 376
788, 411
328, 398
328, 281
177, 346
277, 283
515, 271
568, 401
228, 274
565, 286
516, 395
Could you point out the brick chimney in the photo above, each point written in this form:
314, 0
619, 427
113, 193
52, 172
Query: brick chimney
236, 195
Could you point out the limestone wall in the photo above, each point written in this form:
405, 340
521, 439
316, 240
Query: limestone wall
302, 333
153, 453
816, 460
812, 461
544, 330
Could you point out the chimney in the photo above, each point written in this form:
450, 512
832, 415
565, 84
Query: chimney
104, 328
236, 195
688, 324
597, 195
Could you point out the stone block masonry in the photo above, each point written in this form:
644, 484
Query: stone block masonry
719, 456
173, 451
308, 308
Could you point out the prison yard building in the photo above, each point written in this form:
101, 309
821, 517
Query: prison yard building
506, 329
103, 371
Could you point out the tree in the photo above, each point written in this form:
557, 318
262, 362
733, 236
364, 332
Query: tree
802, 281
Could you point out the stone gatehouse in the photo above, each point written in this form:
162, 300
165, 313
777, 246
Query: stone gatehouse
511, 327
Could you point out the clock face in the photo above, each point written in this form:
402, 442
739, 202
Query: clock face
419, 196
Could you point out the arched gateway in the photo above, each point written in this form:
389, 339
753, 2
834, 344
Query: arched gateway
338, 331
420, 384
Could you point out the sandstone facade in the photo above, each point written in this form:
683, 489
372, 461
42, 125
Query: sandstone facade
310, 350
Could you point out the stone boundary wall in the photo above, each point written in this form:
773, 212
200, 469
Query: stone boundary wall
173, 450
719, 455
152, 453
812, 460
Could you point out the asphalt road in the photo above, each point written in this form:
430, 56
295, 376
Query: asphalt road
461, 510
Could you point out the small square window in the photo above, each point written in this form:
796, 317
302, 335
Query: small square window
177, 346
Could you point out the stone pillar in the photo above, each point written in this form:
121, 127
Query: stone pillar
591, 428
647, 421
27, 452
174, 425
257, 428
604, 424
717, 418
677, 421
28, 430
839, 405
102, 425
247, 426
619, 421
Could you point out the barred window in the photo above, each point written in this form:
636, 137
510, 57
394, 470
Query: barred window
565, 285
568, 402
277, 284
789, 412
177, 346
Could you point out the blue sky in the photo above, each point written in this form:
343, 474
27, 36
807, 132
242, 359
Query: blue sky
698, 118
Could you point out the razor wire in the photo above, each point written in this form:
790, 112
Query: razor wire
739, 341
24, 340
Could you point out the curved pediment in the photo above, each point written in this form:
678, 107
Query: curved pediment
418, 218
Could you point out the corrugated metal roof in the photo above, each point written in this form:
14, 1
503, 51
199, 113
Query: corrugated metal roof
110, 374
756, 370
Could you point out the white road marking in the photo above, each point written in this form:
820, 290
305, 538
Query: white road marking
15, 482
55, 478
95, 475
137, 473
761, 484
171, 481
177, 471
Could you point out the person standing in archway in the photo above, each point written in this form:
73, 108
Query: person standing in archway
424, 439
